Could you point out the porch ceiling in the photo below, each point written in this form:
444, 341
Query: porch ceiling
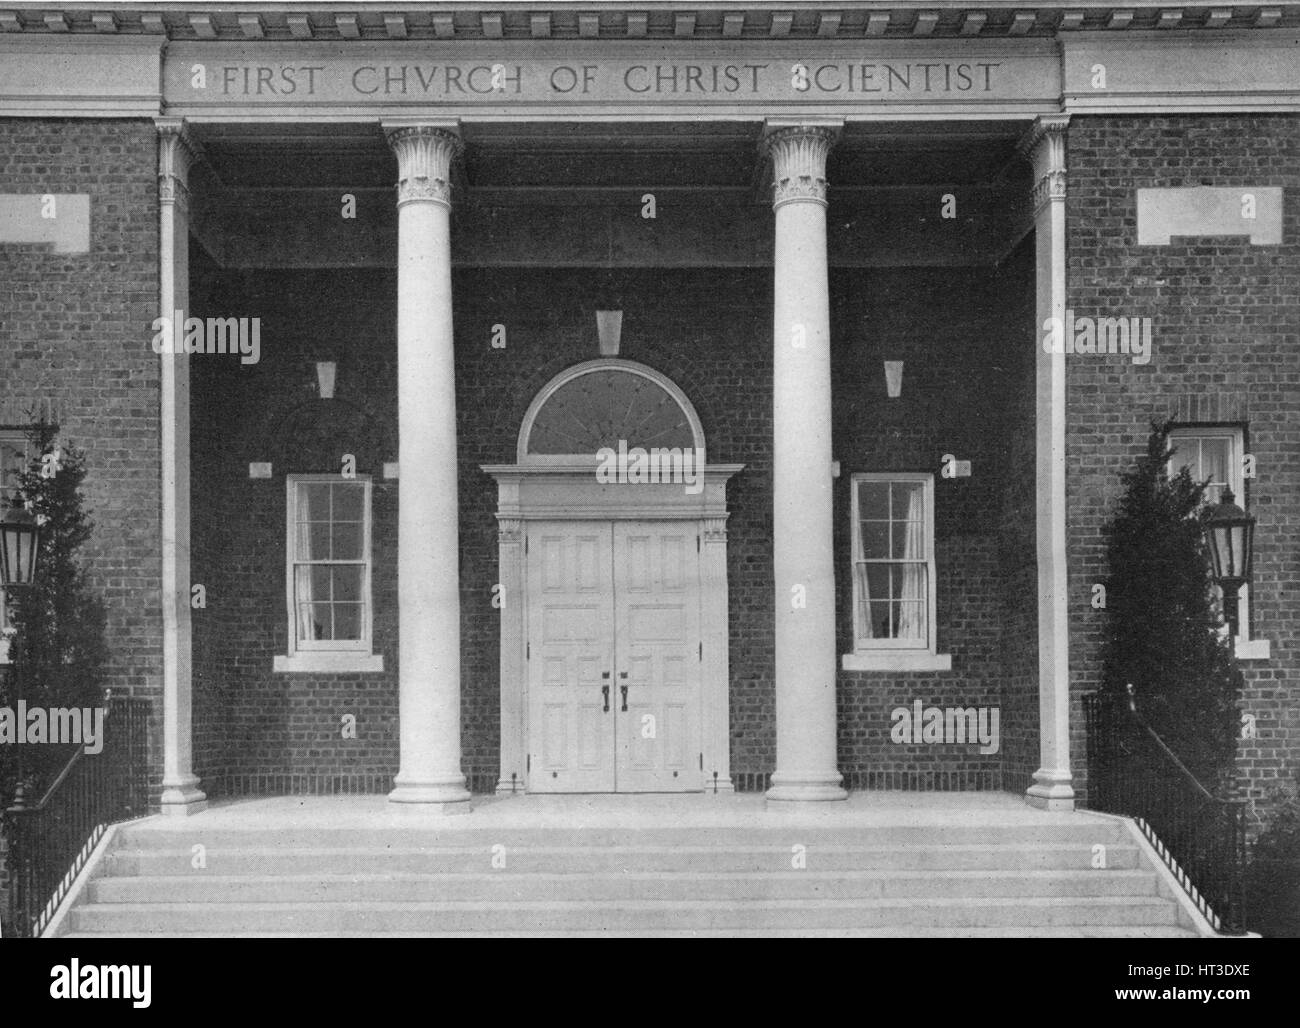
552, 158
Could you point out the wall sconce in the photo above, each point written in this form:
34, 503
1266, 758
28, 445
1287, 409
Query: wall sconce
325, 371
609, 326
894, 378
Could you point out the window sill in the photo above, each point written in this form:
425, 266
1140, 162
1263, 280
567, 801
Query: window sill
325, 661
1251, 649
896, 660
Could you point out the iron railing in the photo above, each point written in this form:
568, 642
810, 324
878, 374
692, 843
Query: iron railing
50, 840
1200, 838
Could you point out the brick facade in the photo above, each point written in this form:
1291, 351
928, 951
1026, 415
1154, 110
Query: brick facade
75, 334
1224, 335
74, 341
709, 331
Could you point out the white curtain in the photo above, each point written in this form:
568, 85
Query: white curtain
905, 541
911, 620
866, 630
308, 514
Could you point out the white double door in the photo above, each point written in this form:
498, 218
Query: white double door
613, 658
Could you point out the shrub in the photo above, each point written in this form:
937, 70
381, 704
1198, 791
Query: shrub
1162, 631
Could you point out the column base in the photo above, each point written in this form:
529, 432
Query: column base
183, 799
805, 788
1051, 790
450, 795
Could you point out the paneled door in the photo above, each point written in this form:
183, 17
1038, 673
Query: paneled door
570, 656
657, 655
613, 623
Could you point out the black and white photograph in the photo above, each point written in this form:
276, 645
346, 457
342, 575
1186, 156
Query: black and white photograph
602, 470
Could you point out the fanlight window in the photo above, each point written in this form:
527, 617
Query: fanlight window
598, 405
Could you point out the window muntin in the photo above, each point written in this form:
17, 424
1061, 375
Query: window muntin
893, 561
329, 563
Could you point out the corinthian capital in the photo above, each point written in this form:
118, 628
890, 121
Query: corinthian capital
177, 152
424, 157
798, 156
1044, 147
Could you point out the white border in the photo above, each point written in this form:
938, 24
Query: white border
895, 654
354, 656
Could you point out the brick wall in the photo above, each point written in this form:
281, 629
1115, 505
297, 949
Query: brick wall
256, 731
709, 331
1225, 333
1017, 533
963, 385
75, 337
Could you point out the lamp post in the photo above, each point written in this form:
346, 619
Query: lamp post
1230, 536
20, 536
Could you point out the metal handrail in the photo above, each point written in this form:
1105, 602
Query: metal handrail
1199, 837
50, 841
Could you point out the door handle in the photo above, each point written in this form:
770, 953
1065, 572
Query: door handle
623, 689
604, 691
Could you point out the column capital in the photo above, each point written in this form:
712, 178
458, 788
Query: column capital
1043, 145
796, 153
177, 152
715, 530
425, 152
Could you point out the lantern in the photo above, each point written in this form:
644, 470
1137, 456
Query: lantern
1230, 536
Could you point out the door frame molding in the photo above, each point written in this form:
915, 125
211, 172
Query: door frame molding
554, 492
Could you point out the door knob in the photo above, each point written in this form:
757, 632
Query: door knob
604, 691
623, 688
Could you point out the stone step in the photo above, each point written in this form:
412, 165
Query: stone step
254, 856
1085, 832
1006, 932
201, 887
903, 915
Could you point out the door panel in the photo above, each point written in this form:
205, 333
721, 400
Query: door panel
571, 629
657, 635
620, 599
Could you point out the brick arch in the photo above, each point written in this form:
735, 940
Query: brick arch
314, 435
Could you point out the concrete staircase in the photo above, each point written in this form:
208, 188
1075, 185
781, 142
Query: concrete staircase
490, 874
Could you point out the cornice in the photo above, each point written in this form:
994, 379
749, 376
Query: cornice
656, 19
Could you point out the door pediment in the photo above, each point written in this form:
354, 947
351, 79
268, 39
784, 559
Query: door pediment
573, 491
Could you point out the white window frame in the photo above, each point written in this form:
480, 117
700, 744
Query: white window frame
328, 655
895, 654
1244, 646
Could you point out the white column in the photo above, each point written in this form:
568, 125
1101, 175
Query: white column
802, 529
1044, 145
717, 658
510, 564
428, 544
180, 786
